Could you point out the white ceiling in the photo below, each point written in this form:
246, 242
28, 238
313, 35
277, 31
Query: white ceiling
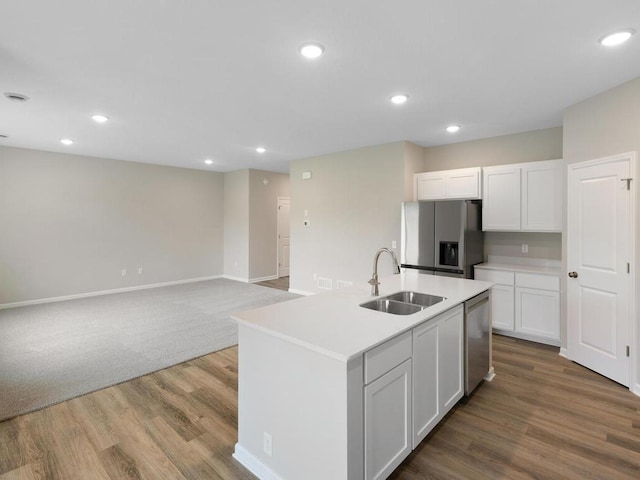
185, 80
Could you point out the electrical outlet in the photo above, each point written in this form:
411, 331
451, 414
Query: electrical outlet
393, 244
268, 444
124, 272
139, 270
525, 248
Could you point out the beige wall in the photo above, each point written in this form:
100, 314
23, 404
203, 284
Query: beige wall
414, 162
516, 148
353, 205
69, 224
604, 125
532, 146
250, 223
263, 222
236, 224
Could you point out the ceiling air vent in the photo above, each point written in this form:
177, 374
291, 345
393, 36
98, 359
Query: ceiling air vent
16, 97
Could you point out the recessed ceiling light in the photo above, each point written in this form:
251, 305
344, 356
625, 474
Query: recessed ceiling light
311, 50
400, 98
66, 141
16, 97
453, 128
208, 161
100, 118
261, 149
616, 38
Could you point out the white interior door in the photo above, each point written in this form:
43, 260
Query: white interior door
598, 255
283, 237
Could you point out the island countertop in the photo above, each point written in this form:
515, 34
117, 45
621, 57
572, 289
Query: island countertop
335, 324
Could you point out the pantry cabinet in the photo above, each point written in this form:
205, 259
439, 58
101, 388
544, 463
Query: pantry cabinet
523, 197
463, 183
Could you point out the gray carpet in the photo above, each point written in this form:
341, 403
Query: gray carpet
53, 352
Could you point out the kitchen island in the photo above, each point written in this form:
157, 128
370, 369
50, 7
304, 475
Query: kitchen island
329, 389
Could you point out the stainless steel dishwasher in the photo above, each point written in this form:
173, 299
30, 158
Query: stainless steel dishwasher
477, 340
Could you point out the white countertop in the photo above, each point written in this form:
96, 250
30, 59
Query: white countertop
520, 268
334, 324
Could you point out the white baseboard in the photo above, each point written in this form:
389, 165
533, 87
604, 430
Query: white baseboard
237, 279
105, 292
301, 292
564, 353
254, 465
491, 374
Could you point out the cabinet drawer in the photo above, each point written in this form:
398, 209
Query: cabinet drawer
383, 358
543, 282
496, 276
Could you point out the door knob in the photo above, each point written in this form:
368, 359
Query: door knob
573, 274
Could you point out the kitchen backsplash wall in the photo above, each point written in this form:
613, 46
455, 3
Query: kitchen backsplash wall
539, 246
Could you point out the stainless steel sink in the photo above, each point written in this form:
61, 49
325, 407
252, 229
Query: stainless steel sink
392, 306
403, 303
415, 298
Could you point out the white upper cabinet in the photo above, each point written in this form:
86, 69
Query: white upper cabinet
523, 197
542, 198
501, 201
462, 183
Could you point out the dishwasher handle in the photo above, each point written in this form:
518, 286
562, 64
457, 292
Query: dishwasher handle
476, 301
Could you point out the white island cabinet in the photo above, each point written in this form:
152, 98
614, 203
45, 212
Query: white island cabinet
328, 389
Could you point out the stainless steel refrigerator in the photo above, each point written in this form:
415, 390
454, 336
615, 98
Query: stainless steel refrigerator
442, 237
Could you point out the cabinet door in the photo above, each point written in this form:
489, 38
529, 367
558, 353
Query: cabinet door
426, 406
462, 183
429, 186
502, 307
501, 198
538, 312
450, 359
387, 416
542, 199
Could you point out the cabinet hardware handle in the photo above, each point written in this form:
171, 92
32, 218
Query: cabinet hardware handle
573, 274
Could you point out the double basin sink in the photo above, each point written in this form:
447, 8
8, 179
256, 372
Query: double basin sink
403, 303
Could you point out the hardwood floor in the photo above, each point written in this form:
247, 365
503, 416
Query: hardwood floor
542, 417
281, 283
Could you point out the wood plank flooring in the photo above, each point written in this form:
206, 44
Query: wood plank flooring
542, 417
281, 283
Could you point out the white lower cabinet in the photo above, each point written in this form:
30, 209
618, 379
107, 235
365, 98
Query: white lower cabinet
450, 358
538, 312
437, 371
502, 307
426, 405
524, 304
387, 407
404, 404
